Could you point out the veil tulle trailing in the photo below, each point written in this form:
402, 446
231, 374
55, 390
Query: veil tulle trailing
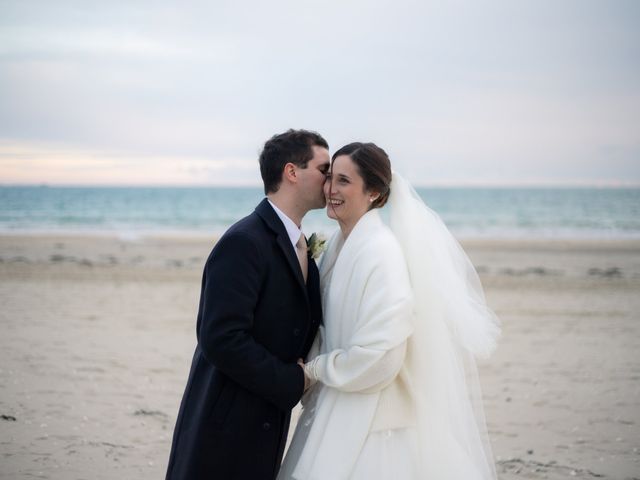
453, 326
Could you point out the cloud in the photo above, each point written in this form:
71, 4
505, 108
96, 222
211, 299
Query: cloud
460, 90
22, 163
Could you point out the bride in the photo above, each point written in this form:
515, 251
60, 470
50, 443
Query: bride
394, 389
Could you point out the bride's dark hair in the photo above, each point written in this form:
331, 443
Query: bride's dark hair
374, 167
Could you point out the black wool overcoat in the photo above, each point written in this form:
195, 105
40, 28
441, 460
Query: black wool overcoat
256, 318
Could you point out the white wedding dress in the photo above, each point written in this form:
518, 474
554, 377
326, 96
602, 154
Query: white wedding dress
397, 394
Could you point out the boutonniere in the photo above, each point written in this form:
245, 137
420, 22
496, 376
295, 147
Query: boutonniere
317, 245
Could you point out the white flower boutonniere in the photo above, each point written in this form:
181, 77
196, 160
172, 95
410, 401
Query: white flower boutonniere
317, 245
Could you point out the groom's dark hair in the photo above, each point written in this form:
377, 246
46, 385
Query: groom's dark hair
292, 146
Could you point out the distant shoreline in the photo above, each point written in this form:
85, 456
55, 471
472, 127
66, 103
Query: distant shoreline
197, 237
142, 234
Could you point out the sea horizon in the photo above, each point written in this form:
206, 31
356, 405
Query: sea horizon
470, 211
609, 184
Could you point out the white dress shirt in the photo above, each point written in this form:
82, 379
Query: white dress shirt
292, 229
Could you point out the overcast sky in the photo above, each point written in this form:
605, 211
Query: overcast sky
153, 92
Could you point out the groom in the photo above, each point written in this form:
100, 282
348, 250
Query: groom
259, 312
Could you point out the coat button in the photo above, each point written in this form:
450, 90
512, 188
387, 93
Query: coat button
266, 426
296, 332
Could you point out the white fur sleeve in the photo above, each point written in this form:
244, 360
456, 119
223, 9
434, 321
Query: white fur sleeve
357, 369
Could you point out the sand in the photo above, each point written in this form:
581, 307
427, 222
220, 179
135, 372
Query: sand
98, 333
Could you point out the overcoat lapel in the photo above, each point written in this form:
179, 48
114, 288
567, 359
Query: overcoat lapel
313, 277
329, 259
270, 217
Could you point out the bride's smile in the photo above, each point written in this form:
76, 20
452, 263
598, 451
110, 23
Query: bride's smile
346, 194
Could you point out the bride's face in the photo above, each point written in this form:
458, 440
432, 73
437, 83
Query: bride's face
347, 199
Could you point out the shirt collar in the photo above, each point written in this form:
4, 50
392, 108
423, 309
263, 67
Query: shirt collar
292, 229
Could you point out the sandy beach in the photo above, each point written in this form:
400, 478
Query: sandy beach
98, 333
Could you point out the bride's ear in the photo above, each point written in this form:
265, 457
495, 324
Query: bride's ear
373, 196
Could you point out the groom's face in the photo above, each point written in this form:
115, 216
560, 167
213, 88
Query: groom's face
311, 179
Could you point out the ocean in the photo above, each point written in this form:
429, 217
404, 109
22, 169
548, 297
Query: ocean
470, 212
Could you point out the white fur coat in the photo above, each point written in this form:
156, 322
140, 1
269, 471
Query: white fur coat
367, 307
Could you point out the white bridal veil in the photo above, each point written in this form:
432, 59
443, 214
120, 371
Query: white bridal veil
453, 325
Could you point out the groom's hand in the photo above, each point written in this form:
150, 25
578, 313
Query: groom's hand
307, 381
